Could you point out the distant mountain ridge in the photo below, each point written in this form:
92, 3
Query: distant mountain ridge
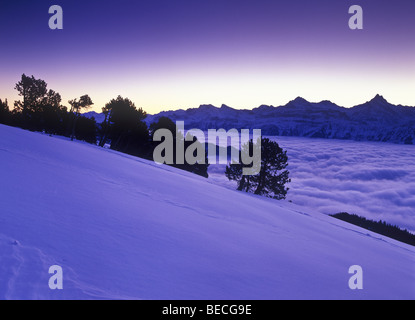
374, 120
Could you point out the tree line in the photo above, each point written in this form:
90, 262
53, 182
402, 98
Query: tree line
381, 227
41, 109
124, 130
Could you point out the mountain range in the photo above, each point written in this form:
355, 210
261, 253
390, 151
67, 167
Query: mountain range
374, 120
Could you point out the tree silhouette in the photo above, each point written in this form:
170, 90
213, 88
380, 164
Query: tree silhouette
125, 127
272, 177
51, 115
105, 125
40, 108
33, 92
199, 167
77, 106
86, 129
380, 227
4, 111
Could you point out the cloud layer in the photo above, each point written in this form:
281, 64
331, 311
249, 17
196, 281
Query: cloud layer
374, 180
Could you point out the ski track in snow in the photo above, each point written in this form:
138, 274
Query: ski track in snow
24, 276
26, 269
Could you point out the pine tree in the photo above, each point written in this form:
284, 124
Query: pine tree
84, 103
125, 127
200, 167
4, 111
272, 177
33, 92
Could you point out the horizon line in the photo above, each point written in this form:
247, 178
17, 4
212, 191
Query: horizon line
298, 98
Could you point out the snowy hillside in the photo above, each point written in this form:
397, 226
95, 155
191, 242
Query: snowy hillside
125, 228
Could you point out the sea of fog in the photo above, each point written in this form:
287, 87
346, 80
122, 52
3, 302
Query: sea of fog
372, 179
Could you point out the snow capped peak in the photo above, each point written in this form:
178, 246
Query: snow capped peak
99, 117
207, 107
378, 99
299, 101
263, 107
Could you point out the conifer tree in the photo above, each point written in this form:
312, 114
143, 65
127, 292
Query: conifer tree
272, 178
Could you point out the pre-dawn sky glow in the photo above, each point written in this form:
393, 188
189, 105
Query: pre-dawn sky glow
166, 55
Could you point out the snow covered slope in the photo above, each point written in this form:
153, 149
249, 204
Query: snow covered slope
121, 227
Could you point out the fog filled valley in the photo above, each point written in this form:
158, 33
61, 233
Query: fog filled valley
372, 179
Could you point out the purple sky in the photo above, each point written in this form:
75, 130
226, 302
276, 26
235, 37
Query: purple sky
180, 54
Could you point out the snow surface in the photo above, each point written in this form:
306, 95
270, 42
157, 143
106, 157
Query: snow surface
126, 228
